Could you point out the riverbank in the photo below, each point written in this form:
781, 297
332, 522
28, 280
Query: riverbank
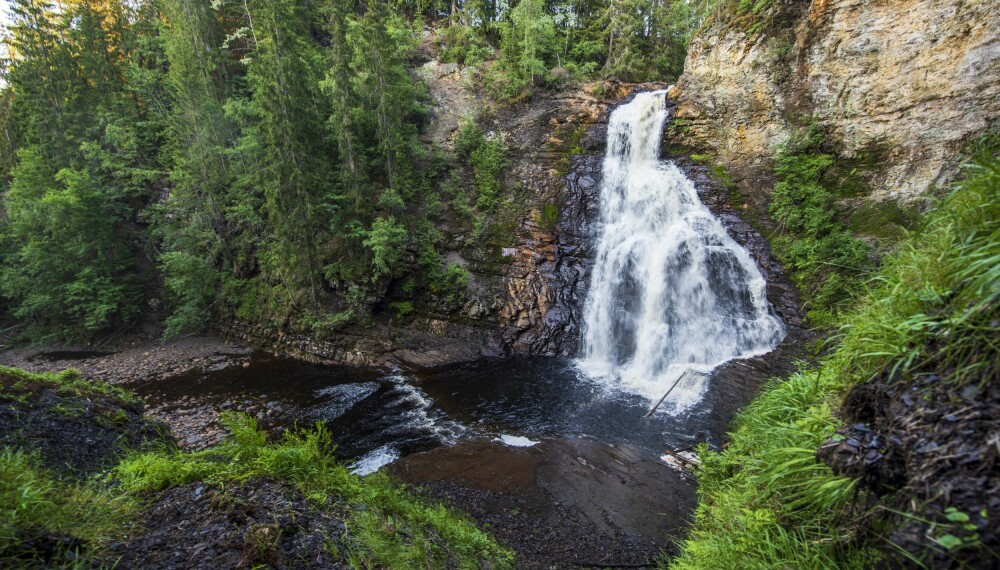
884, 451
576, 499
138, 503
131, 361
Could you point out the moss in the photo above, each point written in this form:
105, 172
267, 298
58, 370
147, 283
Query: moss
16, 382
548, 215
886, 221
568, 147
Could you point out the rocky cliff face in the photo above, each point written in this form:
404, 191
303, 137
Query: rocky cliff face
902, 84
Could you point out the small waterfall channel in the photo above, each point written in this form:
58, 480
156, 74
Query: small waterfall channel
671, 291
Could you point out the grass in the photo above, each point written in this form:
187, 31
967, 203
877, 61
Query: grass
36, 503
388, 526
765, 501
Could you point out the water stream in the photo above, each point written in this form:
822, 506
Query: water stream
671, 291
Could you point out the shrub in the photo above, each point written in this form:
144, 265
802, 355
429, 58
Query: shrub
826, 262
385, 240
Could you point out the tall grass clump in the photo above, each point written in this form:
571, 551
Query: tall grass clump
46, 522
934, 304
389, 527
766, 501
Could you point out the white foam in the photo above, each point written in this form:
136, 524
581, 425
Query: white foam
343, 397
516, 441
374, 460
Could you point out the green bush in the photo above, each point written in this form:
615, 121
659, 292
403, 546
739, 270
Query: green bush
386, 240
403, 308
463, 44
826, 262
487, 158
488, 162
191, 283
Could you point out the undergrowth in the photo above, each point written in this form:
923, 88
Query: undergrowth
49, 520
67, 382
765, 501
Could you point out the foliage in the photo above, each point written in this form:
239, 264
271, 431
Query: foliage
828, 264
66, 271
765, 501
242, 158
83, 115
463, 44
387, 526
386, 240
488, 162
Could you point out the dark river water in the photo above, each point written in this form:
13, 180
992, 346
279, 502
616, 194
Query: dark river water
376, 417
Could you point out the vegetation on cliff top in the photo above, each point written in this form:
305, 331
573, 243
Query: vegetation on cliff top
926, 327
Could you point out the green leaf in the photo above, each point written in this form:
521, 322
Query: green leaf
955, 515
949, 541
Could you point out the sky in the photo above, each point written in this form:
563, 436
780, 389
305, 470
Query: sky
4, 19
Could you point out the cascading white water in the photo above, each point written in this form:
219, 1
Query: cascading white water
670, 290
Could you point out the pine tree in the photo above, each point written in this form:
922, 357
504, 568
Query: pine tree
283, 77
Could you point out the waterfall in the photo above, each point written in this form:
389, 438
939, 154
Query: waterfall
671, 291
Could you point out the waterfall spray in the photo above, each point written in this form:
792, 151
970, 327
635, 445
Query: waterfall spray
671, 291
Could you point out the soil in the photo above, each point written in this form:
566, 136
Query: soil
257, 523
928, 450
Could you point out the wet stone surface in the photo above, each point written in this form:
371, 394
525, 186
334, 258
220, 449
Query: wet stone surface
561, 503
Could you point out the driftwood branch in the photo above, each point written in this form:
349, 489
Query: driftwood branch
685, 460
609, 565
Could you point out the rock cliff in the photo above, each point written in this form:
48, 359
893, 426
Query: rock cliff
900, 86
